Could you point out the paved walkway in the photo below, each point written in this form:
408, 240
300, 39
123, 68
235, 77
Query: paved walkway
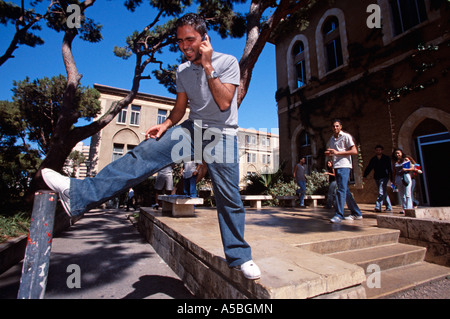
115, 263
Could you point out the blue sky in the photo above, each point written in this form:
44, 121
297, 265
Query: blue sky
97, 63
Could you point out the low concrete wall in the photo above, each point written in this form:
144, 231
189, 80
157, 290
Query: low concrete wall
192, 248
12, 252
434, 234
441, 213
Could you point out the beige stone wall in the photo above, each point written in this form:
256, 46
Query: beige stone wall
126, 134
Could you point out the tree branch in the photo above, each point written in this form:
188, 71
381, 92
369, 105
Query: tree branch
257, 35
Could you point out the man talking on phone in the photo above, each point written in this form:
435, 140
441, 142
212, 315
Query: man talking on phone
208, 81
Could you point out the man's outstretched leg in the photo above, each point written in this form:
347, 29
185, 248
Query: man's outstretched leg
79, 196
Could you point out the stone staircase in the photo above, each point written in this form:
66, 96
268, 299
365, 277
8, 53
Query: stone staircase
402, 266
300, 253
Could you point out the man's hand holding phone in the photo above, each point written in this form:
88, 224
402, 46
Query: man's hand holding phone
206, 51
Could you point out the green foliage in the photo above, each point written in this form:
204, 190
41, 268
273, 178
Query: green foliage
283, 188
270, 184
317, 183
11, 13
32, 117
76, 158
219, 16
298, 20
421, 62
26, 22
13, 226
18, 162
39, 105
258, 184
167, 77
170, 7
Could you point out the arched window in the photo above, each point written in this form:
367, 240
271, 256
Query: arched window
402, 16
332, 43
298, 57
407, 14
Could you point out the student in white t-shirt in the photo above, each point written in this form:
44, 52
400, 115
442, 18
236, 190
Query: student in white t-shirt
341, 148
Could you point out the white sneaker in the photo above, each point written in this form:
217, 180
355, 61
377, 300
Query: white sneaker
335, 220
250, 270
60, 184
353, 217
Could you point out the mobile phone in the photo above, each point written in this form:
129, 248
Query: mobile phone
204, 37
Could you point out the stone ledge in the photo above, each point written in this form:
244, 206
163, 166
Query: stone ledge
12, 252
441, 213
287, 271
426, 232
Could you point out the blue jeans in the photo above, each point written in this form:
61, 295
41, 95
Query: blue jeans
382, 194
301, 191
189, 186
331, 197
404, 192
343, 194
179, 143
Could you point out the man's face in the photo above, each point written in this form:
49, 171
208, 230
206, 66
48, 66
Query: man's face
189, 42
337, 127
378, 151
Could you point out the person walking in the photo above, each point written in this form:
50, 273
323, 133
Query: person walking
209, 82
331, 196
130, 199
190, 179
416, 170
300, 179
163, 183
341, 148
382, 172
402, 179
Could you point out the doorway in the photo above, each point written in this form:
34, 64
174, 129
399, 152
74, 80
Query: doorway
434, 155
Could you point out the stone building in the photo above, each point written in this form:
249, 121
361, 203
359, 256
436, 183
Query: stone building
382, 68
74, 169
258, 150
126, 131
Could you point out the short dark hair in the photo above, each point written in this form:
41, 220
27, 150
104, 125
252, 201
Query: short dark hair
379, 146
194, 20
336, 120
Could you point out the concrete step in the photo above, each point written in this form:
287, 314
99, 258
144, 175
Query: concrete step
384, 256
405, 277
297, 252
345, 241
401, 268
